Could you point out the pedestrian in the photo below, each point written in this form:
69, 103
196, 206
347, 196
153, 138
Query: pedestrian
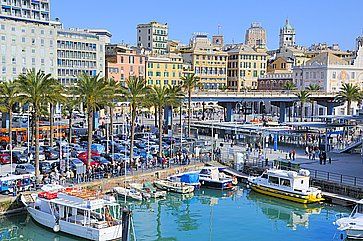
290, 155
293, 154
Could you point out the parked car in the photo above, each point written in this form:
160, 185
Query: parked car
18, 157
101, 160
24, 169
4, 158
45, 167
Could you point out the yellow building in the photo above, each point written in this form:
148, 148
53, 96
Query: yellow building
245, 65
164, 70
207, 60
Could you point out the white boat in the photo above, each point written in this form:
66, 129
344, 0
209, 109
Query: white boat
79, 213
211, 177
288, 185
129, 193
353, 224
189, 178
177, 187
148, 189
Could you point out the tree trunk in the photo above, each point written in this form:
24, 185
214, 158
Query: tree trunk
70, 126
189, 109
107, 129
181, 126
90, 130
111, 130
37, 171
349, 103
301, 112
160, 131
312, 110
32, 129
51, 124
133, 117
156, 116
11, 139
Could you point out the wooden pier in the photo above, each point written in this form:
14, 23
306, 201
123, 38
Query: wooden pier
339, 199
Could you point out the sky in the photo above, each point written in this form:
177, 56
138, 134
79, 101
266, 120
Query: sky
315, 21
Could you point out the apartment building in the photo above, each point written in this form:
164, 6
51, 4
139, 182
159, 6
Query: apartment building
153, 36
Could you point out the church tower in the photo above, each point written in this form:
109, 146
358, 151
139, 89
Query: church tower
287, 35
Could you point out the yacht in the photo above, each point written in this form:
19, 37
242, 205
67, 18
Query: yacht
211, 177
353, 224
78, 212
288, 185
189, 178
177, 187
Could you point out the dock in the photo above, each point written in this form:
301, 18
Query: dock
241, 177
340, 199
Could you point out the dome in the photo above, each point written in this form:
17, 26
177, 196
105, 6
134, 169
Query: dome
288, 25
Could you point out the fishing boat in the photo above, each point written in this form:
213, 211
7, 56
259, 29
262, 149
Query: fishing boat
211, 177
353, 224
189, 178
177, 187
130, 193
288, 185
78, 212
148, 189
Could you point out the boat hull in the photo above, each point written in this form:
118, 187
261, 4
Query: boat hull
48, 220
306, 199
354, 233
216, 185
181, 190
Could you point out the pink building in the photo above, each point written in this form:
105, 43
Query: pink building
123, 61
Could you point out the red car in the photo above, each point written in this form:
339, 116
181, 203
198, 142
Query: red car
4, 158
83, 157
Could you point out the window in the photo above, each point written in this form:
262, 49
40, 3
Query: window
157, 82
273, 180
334, 76
2, 27
166, 82
285, 182
23, 39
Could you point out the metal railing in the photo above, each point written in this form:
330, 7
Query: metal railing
337, 178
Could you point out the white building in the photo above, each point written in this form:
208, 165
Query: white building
26, 45
287, 35
26, 10
330, 72
79, 51
153, 36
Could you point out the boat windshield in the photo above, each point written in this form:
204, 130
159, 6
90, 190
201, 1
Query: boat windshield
360, 208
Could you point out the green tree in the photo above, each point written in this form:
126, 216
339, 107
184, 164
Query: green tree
313, 88
303, 96
289, 86
34, 88
134, 92
190, 82
8, 99
349, 93
94, 93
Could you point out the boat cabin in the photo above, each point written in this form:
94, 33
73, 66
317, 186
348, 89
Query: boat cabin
290, 180
212, 173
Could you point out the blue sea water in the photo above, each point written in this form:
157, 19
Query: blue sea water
208, 215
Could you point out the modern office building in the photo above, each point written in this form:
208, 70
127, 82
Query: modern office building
123, 61
164, 70
245, 65
79, 51
256, 36
153, 36
207, 61
26, 10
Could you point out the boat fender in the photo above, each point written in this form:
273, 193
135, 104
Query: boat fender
318, 195
202, 182
56, 228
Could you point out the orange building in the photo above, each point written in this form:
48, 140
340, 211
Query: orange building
123, 61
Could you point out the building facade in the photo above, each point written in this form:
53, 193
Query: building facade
256, 36
164, 70
287, 35
79, 51
26, 10
25, 45
245, 65
153, 36
123, 61
207, 61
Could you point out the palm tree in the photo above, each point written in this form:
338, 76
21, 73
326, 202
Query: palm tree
34, 90
289, 86
303, 96
94, 92
190, 81
134, 92
163, 96
313, 88
349, 93
70, 105
8, 99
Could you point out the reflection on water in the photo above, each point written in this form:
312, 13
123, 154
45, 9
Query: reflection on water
208, 215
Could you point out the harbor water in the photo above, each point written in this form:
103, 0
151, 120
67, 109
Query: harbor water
208, 215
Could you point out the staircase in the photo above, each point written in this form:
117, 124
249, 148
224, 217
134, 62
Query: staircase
348, 147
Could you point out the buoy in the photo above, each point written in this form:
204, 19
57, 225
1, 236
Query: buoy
56, 228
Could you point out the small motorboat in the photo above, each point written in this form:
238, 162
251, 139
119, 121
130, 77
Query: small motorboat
211, 177
177, 187
78, 212
148, 189
189, 178
288, 185
353, 224
129, 193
